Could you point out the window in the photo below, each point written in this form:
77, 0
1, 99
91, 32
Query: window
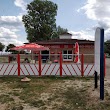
67, 55
44, 55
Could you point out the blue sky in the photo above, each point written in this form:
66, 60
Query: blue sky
69, 18
80, 17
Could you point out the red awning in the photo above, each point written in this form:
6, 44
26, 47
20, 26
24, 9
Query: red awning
30, 46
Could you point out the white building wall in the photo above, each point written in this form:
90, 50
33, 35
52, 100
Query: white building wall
65, 36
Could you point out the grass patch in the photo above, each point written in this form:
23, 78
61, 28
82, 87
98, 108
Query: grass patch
14, 93
75, 99
5, 99
31, 93
17, 108
78, 99
20, 85
9, 79
71, 98
38, 103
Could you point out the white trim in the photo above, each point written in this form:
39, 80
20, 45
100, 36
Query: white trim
67, 55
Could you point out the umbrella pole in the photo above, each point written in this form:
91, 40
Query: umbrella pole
32, 56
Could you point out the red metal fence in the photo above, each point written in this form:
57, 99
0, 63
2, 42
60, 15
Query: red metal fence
60, 68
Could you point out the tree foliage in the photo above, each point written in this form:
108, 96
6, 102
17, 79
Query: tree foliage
40, 20
8, 47
107, 47
12, 51
59, 30
2, 46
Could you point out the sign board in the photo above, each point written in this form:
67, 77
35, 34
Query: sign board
97, 50
99, 58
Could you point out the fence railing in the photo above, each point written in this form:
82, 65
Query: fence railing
47, 64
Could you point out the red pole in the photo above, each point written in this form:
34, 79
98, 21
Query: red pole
82, 65
39, 64
104, 64
18, 59
60, 64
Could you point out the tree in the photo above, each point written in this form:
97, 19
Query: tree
11, 46
13, 51
61, 30
107, 47
8, 47
57, 32
40, 20
2, 46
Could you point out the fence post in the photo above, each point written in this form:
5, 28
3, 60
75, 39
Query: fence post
39, 64
60, 64
96, 80
82, 65
18, 61
104, 64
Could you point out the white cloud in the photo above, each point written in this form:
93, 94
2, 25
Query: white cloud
98, 10
7, 33
8, 36
21, 4
12, 41
13, 21
15, 42
9, 26
89, 9
81, 35
107, 34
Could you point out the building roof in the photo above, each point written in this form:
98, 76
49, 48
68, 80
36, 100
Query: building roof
66, 33
65, 41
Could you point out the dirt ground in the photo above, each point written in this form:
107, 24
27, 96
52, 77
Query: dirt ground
108, 68
48, 94
107, 78
54, 93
